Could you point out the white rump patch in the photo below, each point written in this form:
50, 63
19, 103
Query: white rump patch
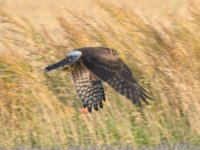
75, 54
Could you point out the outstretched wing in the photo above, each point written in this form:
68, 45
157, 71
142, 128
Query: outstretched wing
107, 66
88, 87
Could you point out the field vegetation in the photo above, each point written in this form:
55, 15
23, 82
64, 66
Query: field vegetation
42, 111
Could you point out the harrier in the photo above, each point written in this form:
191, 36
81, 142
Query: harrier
90, 66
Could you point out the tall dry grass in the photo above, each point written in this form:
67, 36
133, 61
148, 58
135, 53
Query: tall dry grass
39, 110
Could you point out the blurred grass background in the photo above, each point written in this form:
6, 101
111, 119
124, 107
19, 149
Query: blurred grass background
43, 111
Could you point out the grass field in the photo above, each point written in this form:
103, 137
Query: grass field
43, 111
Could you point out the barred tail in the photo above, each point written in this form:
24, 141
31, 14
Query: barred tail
69, 60
59, 64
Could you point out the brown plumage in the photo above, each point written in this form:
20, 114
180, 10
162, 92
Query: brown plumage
92, 65
88, 87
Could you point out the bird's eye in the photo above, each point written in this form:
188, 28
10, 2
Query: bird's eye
114, 52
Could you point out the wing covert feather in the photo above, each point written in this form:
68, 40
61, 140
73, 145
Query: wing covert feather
111, 69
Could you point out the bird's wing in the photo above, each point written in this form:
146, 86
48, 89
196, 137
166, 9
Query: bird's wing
88, 87
111, 69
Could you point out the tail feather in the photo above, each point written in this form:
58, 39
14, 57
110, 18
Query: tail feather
72, 58
59, 64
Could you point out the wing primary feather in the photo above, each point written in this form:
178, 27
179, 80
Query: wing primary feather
89, 106
136, 97
100, 104
111, 69
144, 99
88, 87
146, 95
85, 103
103, 94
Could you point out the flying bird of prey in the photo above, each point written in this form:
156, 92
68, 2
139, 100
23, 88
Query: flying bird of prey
91, 66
